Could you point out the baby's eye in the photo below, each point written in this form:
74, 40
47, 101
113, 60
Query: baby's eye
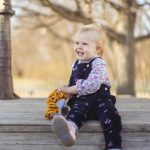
85, 43
76, 43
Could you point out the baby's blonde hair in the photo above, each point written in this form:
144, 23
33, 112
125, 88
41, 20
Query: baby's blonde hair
99, 34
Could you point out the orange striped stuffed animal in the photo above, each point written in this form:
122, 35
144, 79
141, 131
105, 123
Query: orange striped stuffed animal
52, 100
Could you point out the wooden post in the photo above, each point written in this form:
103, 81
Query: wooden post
6, 83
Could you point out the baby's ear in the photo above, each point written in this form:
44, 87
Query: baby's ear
99, 50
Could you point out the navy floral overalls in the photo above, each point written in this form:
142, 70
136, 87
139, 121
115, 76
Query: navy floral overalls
99, 105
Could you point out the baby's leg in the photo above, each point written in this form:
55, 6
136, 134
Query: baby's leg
60, 104
110, 121
65, 130
79, 113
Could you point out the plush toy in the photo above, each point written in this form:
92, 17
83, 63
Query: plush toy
55, 103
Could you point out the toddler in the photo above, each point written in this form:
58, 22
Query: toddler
89, 88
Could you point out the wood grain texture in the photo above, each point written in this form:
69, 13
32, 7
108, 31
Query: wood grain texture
21, 114
23, 127
89, 141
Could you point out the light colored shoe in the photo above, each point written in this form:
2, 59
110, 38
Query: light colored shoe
65, 130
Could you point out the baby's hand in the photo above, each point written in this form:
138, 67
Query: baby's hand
49, 114
63, 88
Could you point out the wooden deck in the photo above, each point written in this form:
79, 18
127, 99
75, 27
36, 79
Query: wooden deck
23, 127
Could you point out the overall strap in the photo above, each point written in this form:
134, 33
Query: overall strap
94, 59
71, 81
75, 70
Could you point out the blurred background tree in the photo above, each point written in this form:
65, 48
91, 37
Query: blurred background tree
42, 40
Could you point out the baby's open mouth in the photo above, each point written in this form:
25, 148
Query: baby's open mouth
80, 53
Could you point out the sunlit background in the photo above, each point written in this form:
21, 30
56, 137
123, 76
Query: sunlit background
42, 48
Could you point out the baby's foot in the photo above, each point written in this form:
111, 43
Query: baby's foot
64, 130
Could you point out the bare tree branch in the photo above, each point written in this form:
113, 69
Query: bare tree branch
67, 39
75, 16
48, 28
51, 31
113, 35
147, 16
79, 8
114, 5
144, 4
29, 10
142, 38
89, 3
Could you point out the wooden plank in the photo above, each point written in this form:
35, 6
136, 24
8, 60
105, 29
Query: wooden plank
29, 114
29, 105
122, 103
23, 127
47, 138
131, 122
49, 147
89, 128
59, 147
9, 141
82, 138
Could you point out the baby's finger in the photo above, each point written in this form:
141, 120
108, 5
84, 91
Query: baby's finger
58, 90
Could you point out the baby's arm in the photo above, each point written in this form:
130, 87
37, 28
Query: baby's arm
68, 89
97, 76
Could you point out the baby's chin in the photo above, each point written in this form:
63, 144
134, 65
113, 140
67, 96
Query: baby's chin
79, 57
82, 58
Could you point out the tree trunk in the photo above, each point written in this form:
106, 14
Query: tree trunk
125, 70
126, 66
6, 83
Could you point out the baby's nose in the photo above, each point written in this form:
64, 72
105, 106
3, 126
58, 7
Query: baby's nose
80, 46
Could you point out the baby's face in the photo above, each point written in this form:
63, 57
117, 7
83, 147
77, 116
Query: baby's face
85, 45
